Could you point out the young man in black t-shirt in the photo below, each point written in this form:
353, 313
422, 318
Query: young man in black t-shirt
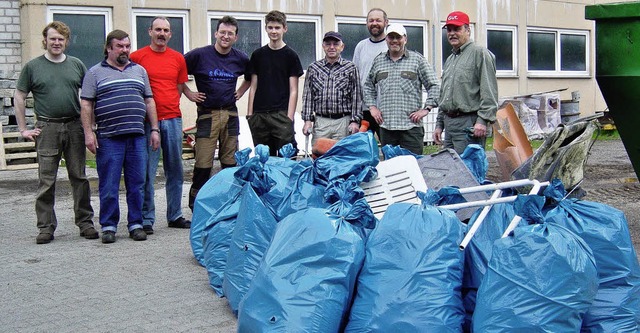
274, 71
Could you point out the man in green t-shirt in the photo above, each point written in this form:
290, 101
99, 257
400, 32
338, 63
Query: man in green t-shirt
54, 80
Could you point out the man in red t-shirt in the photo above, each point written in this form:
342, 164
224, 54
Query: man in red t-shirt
167, 72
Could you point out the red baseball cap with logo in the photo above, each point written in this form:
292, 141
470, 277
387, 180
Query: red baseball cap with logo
457, 19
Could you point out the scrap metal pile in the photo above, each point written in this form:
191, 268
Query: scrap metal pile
295, 246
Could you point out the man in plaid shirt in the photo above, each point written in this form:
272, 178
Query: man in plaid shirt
393, 92
331, 102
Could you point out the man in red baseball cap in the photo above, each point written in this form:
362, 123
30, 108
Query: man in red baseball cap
469, 94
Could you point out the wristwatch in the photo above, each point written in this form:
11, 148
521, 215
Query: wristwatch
155, 130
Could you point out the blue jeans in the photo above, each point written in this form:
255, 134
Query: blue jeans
114, 154
171, 146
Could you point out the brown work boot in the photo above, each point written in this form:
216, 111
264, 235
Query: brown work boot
44, 237
89, 233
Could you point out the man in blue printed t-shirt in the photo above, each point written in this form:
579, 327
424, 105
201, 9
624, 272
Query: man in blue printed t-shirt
116, 100
216, 69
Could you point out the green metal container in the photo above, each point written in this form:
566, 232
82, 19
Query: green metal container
618, 68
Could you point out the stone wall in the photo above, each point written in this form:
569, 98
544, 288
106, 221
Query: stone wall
10, 58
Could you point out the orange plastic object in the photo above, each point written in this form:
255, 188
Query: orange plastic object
321, 146
364, 126
510, 141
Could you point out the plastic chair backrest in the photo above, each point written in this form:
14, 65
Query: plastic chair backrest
398, 180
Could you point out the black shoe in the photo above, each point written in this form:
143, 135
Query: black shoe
180, 223
148, 229
44, 238
89, 233
138, 234
108, 237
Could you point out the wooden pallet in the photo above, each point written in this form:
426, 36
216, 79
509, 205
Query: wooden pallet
15, 149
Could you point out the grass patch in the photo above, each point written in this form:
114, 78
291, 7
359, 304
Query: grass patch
606, 135
91, 164
430, 149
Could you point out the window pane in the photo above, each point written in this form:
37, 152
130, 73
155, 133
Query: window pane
142, 30
415, 38
446, 47
573, 56
87, 36
500, 42
249, 35
301, 36
352, 34
542, 50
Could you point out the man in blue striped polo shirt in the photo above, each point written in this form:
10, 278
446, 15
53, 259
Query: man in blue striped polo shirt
116, 100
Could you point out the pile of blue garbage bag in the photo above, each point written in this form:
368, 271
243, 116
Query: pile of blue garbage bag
294, 247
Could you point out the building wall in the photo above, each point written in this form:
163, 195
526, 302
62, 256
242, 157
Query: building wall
10, 55
521, 14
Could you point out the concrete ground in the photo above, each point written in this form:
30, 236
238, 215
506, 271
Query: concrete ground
79, 285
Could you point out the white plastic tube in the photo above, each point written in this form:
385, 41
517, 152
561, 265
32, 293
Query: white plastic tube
516, 219
479, 220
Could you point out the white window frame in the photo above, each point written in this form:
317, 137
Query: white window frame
183, 14
412, 23
349, 20
514, 46
317, 20
104, 11
425, 38
558, 72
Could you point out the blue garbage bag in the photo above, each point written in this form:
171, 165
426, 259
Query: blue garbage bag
216, 240
213, 202
301, 191
218, 231
306, 278
617, 305
356, 155
412, 275
252, 234
254, 227
541, 278
287, 151
447, 195
475, 158
390, 151
478, 252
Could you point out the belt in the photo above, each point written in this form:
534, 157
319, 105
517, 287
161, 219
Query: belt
459, 113
228, 108
63, 120
334, 115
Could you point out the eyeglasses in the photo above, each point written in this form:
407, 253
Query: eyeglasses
226, 33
